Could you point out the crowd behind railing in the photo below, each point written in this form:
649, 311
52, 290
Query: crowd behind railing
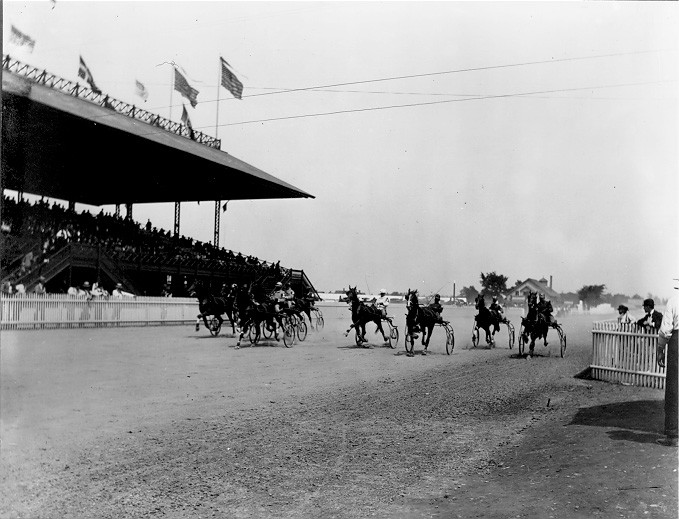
51, 227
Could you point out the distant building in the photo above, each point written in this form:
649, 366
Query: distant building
517, 295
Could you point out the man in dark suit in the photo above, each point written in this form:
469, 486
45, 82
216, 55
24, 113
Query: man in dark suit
652, 318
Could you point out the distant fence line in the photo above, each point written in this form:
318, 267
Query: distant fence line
30, 311
625, 353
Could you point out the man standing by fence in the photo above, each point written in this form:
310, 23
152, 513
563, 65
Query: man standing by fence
668, 337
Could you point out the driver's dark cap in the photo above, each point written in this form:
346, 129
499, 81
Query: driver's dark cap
649, 302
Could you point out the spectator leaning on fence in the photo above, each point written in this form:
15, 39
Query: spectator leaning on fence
652, 318
668, 339
624, 317
39, 289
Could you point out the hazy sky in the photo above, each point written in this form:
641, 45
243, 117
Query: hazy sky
442, 140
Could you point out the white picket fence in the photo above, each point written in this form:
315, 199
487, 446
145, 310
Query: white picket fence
625, 353
20, 312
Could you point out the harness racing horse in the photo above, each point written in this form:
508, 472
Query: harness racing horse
485, 320
254, 315
210, 305
361, 314
419, 317
534, 325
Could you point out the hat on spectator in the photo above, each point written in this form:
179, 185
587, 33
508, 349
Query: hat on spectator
119, 285
279, 284
383, 291
622, 308
86, 283
42, 278
649, 302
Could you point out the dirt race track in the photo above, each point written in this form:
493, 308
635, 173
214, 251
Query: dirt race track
169, 422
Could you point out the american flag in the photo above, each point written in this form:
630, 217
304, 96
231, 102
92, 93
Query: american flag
230, 81
19, 38
187, 121
182, 86
84, 72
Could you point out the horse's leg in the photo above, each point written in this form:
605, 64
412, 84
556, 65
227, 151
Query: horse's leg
243, 331
428, 330
353, 325
198, 322
205, 321
378, 322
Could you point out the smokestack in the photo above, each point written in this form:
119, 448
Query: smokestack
550, 281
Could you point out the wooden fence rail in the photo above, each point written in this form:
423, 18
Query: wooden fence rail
625, 353
20, 312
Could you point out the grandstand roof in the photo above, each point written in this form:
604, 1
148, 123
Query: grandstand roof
61, 146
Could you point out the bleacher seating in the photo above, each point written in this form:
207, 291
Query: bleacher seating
33, 234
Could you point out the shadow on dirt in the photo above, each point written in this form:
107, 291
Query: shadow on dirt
635, 419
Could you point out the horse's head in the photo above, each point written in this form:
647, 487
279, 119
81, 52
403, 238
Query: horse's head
479, 302
352, 294
411, 299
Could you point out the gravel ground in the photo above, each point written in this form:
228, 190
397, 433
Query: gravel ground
167, 422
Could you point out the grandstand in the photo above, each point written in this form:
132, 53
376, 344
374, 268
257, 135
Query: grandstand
67, 127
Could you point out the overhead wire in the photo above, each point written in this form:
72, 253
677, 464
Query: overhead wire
429, 103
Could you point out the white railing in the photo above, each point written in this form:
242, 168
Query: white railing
625, 353
20, 312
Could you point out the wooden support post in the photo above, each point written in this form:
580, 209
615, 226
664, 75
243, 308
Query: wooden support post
218, 203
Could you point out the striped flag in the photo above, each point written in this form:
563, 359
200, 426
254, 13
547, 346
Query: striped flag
20, 39
84, 72
141, 90
230, 81
186, 121
182, 86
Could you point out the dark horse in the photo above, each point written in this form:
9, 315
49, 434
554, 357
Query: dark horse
534, 324
419, 317
210, 305
485, 320
255, 314
361, 314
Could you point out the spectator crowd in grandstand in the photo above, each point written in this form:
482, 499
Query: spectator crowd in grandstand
124, 239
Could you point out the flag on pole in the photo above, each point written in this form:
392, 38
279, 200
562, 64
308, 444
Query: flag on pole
141, 90
85, 73
230, 81
182, 86
186, 121
21, 39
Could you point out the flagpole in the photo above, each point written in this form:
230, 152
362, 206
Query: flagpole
219, 77
171, 88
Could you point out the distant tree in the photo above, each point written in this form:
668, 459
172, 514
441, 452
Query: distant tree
636, 296
517, 283
469, 293
590, 295
493, 284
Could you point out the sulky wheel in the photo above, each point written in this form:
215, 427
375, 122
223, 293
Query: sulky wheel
393, 336
522, 339
253, 333
562, 339
215, 326
288, 333
409, 343
512, 335
320, 322
266, 332
475, 335
450, 339
301, 330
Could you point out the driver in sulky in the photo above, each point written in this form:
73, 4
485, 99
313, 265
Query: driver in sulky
382, 302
